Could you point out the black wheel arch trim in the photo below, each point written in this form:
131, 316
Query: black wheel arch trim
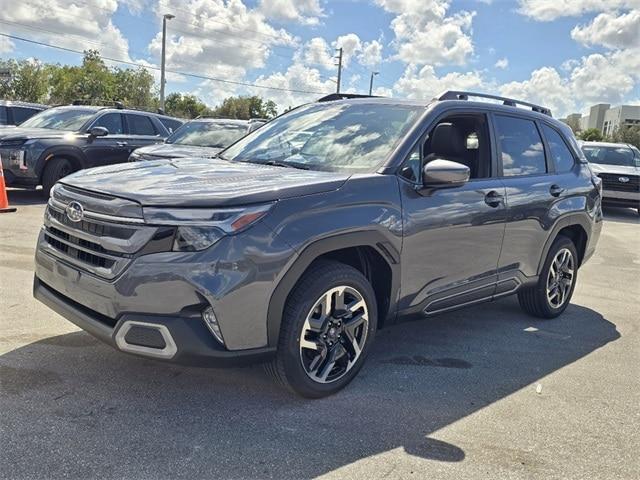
368, 238
568, 220
75, 154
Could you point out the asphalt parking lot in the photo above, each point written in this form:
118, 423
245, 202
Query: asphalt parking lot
485, 392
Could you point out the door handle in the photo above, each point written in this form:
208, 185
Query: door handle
122, 144
493, 199
556, 190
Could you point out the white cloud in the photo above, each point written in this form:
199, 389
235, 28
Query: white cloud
77, 26
296, 77
350, 44
424, 34
307, 12
547, 10
371, 53
223, 39
545, 87
610, 30
316, 52
502, 63
6, 45
425, 83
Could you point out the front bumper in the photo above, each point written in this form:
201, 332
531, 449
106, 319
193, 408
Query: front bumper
187, 340
621, 198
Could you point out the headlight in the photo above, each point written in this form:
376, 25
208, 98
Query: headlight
199, 228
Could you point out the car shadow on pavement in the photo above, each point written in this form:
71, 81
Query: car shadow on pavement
74, 407
18, 197
621, 215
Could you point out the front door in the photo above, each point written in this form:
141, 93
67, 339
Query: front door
452, 236
111, 148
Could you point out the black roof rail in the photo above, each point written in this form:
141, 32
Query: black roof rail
97, 102
343, 96
258, 119
459, 95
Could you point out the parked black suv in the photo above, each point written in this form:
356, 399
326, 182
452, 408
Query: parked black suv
14, 113
62, 140
203, 137
296, 251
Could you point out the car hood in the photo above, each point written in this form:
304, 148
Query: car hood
203, 182
614, 169
167, 150
18, 133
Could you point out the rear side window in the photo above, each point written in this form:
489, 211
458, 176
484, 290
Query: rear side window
20, 114
521, 147
170, 124
140, 125
562, 156
112, 122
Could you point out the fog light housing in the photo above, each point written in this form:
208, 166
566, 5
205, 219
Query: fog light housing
209, 317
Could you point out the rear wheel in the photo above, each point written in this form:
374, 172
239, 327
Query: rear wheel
56, 169
327, 329
552, 294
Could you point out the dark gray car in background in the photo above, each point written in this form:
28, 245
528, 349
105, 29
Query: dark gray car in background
203, 137
294, 252
13, 112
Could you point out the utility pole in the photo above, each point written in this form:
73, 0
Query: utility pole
165, 17
373, 74
339, 69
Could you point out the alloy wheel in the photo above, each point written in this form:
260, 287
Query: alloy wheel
334, 334
560, 278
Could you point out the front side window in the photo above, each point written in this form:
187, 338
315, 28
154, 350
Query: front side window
112, 122
522, 152
62, 118
345, 137
140, 125
208, 134
562, 156
3, 115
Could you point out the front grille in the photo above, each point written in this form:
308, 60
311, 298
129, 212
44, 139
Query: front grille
101, 247
98, 229
612, 181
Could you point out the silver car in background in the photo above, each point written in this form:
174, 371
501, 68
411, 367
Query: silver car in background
618, 165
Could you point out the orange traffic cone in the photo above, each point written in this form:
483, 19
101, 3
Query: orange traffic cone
4, 201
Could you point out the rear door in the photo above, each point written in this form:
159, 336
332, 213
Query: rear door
142, 131
532, 187
111, 148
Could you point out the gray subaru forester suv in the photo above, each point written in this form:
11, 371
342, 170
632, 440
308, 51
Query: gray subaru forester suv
299, 241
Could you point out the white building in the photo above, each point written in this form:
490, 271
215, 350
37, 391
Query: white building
622, 116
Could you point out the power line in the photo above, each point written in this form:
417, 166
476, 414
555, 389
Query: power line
154, 67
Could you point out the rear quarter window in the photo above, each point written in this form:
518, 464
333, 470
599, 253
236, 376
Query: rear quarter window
560, 153
140, 125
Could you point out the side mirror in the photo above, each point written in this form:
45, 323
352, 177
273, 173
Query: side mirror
441, 173
98, 132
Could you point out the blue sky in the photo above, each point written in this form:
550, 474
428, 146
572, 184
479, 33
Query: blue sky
564, 54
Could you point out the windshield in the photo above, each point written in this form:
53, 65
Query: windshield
208, 134
60, 118
345, 137
622, 155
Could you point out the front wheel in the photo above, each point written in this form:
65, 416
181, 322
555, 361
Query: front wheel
56, 169
328, 326
551, 296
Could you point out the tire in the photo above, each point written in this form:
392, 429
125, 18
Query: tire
55, 169
535, 300
301, 369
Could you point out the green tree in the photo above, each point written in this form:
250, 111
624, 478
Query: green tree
591, 135
185, 106
246, 107
28, 80
629, 134
135, 88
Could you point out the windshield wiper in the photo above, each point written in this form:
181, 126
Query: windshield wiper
276, 163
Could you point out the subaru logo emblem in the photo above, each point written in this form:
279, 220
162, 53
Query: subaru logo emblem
74, 211
623, 179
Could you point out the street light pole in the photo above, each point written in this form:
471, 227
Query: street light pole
165, 17
373, 74
339, 69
